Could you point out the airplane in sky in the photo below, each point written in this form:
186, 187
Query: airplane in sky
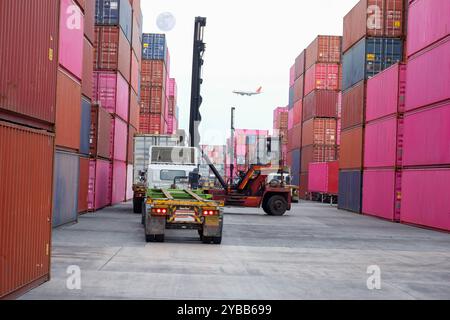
245, 93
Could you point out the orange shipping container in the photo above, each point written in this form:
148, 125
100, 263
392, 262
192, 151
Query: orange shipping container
317, 153
351, 150
324, 49
319, 131
134, 110
26, 171
68, 112
353, 106
89, 20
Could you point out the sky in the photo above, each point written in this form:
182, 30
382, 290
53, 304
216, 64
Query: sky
249, 43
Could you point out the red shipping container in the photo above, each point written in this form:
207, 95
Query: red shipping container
324, 177
428, 23
295, 138
298, 88
88, 69
351, 149
153, 73
134, 110
280, 118
291, 119
83, 185
426, 137
323, 76
68, 112
89, 20
300, 65
130, 148
135, 73
383, 146
26, 171
320, 104
324, 49
317, 153
428, 77
425, 198
303, 191
319, 131
120, 141
373, 18
100, 184
151, 123
386, 93
33, 95
298, 111
353, 106
137, 36
292, 76
382, 193
153, 100
119, 182
112, 51
101, 134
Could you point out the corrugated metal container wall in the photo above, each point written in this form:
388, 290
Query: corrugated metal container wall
101, 134
303, 191
151, 123
350, 190
292, 76
88, 69
114, 13
324, 49
25, 229
71, 38
295, 137
119, 182
317, 153
297, 112
298, 88
112, 93
85, 126
100, 184
428, 22
131, 132
33, 95
319, 131
426, 137
300, 64
323, 76
428, 77
320, 103
134, 110
154, 46
120, 139
291, 119
137, 37
323, 177
291, 97
353, 106
351, 154
89, 20
418, 187
83, 185
153, 73
135, 73
66, 184
68, 112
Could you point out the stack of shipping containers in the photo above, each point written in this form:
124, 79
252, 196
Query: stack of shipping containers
217, 155
280, 130
172, 108
155, 84
116, 94
372, 41
249, 146
426, 150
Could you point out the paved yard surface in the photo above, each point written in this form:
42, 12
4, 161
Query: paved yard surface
314, 252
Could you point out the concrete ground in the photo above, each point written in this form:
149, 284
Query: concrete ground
314, 252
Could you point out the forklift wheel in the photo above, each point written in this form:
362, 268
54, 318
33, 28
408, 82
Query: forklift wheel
277, 205
137, 205
214, 240
155, 238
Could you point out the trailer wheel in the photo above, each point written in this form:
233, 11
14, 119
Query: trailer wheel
277, 205
154, 238
137, 205
213, 240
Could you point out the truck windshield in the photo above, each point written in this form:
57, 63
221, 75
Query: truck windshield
170, 175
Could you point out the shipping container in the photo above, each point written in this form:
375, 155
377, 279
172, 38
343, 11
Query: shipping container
71, 35
151, 123
68, 112
112, 51
323, 76
320, 104
300, 65
350, 190
428, 23
153, 73
130, 148
120, 141
303, 184
89, 20
115, 13
382, 193
280, 118
291, 97
100, 184
85, 126
101, 133
29, 68
425, 198
25, 212
373, 18
353, 106
154, 46
292, 76
386, 93
112, 93
135, 73
295, 138
290, 119
369, 57
426, 137
324, 49
153, 100
316, 153
83, 185
295, 166
136, 42
351, 149
383, 143
65, 188
320, 131
134, 110
298, 89
119, 182
428, 77
323, 177
88, 69
298, 111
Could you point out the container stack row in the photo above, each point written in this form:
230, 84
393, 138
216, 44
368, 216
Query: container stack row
115, 116
280, 130
373, 41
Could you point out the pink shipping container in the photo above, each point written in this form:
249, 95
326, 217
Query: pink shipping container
386, 93
425, 198
384, 143
71, 35
292, 76
120, 148
428, 77
100, 184
129, 191
428, 23
382, 193
112, 92
427, 133
324, 177
323, 76
291, 119
172, 88
119, 182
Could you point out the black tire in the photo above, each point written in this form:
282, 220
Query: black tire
277, 205
143, 212
155, 238
200, 233
217, 240
137, 205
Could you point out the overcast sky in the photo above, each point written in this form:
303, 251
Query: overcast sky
250, 43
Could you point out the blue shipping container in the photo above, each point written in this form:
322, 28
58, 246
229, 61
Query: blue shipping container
369, 57
66, 181
115, 13
350, 191
154, 46
85, 126
291, 97
295, 167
